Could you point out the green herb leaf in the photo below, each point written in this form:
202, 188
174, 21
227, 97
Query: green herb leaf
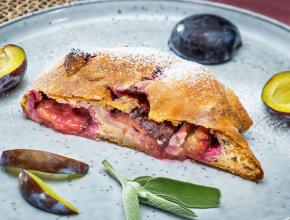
143, 179
171, 199
131, 202
113, 173
158, 202
129, 193
187, 194
167, 194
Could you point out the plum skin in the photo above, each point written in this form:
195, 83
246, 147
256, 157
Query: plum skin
10, 80
278, 114
39, 198
42, 161
205, 38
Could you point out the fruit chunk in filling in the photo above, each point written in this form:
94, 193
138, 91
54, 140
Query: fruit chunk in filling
162, 140
62, 117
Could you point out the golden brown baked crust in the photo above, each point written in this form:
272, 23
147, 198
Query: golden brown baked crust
184, 91
245, 122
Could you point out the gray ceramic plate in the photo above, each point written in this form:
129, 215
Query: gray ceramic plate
48, 35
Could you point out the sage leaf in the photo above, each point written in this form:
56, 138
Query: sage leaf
142, 180
167, 194
171, 199
158, 202
129, 193
188, 194
131, 202
113, 173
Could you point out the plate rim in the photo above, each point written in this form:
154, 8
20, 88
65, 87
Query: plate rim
59, 9
235, 9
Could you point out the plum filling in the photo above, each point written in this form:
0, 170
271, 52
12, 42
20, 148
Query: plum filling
161, 132
162, 140
133, 92
212, 149
75, 60
61, 117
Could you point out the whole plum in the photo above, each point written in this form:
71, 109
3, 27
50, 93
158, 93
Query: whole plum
205, 38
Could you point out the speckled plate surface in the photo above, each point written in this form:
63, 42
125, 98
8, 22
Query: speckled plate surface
49, 35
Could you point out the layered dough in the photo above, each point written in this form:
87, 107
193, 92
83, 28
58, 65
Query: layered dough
147, 100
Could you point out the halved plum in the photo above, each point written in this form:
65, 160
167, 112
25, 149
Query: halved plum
40, 195
44, 164
12, 66
276, 94
205, 38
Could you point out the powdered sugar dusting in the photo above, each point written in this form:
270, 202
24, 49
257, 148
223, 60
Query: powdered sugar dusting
173, 68
182, 70
142, 54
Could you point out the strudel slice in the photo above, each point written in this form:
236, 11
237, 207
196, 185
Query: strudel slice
147, 100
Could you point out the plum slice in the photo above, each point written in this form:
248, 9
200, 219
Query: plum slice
12, 66
40, 195
205, 38
41, 163
276, 94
